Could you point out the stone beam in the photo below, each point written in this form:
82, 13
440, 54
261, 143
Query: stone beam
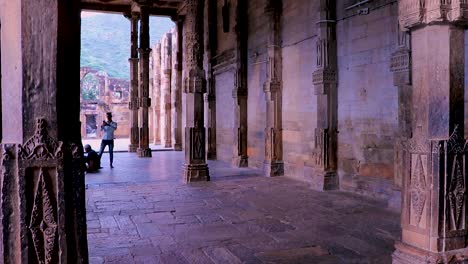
144, 100
176, 93
42, 198
133, 98
434, 222
240, 90
211, 52
157, 93
325, 85
195, 167
166, 75
273, 164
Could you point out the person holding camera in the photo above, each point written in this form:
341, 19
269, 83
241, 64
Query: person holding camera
108, 127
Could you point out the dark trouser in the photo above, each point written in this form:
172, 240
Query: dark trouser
109, 143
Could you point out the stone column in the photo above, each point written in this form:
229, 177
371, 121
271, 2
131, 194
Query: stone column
240, 90
144, 101
325, 87
166, 71
210, 97
42, 198
273, 164
157, 94
434, 198
133, 102
176, 94
400, 65
195, 167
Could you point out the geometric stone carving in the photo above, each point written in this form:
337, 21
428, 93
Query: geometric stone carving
456, 195
43, 225
418, 189
40, 146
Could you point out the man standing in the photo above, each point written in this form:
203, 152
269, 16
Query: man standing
108, 127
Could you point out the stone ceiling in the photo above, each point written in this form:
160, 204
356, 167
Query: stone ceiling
158, 7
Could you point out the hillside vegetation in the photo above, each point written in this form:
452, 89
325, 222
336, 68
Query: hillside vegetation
105, 41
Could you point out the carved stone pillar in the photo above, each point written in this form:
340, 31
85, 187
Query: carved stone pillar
144, 101
325, 85
166, 74
240, 90
434, 199
400, 65
177, 89
42, 190
195, 167
210, 97
273, 164
133, 103
157, 94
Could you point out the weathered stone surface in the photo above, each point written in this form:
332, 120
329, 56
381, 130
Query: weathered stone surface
243, 219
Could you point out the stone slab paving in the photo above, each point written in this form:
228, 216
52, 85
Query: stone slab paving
238, 217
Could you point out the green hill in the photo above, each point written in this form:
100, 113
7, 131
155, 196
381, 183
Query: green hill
105, 41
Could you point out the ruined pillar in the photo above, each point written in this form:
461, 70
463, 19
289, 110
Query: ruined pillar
434, 198
166, 74
240, 90
176, 94
157, 93
133, 100
42, 198
325, 88
144, 101
273, 164
195, 167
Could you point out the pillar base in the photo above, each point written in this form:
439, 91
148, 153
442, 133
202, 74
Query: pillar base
196, 173
406, 254
144, 153
273, 169
211, 155
241, 162
132, 148
325, 181
168, 145
178, 147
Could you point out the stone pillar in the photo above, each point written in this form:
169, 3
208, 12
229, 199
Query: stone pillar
240, 90
42, 198
210, 97
176, 94
325, 87
157, 93
166, 73
144, 101
400, 65
133, 100
273, 164
195, 167
434, 198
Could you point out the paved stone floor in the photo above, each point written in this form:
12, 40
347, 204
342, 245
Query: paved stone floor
141, 212
120, 144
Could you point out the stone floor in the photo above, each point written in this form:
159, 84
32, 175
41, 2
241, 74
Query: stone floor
120, 144
141, 212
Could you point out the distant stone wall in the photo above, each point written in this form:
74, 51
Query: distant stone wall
367, 98
113, 96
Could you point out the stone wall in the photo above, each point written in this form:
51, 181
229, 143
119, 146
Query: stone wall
299, 35
257, 58
367, 98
